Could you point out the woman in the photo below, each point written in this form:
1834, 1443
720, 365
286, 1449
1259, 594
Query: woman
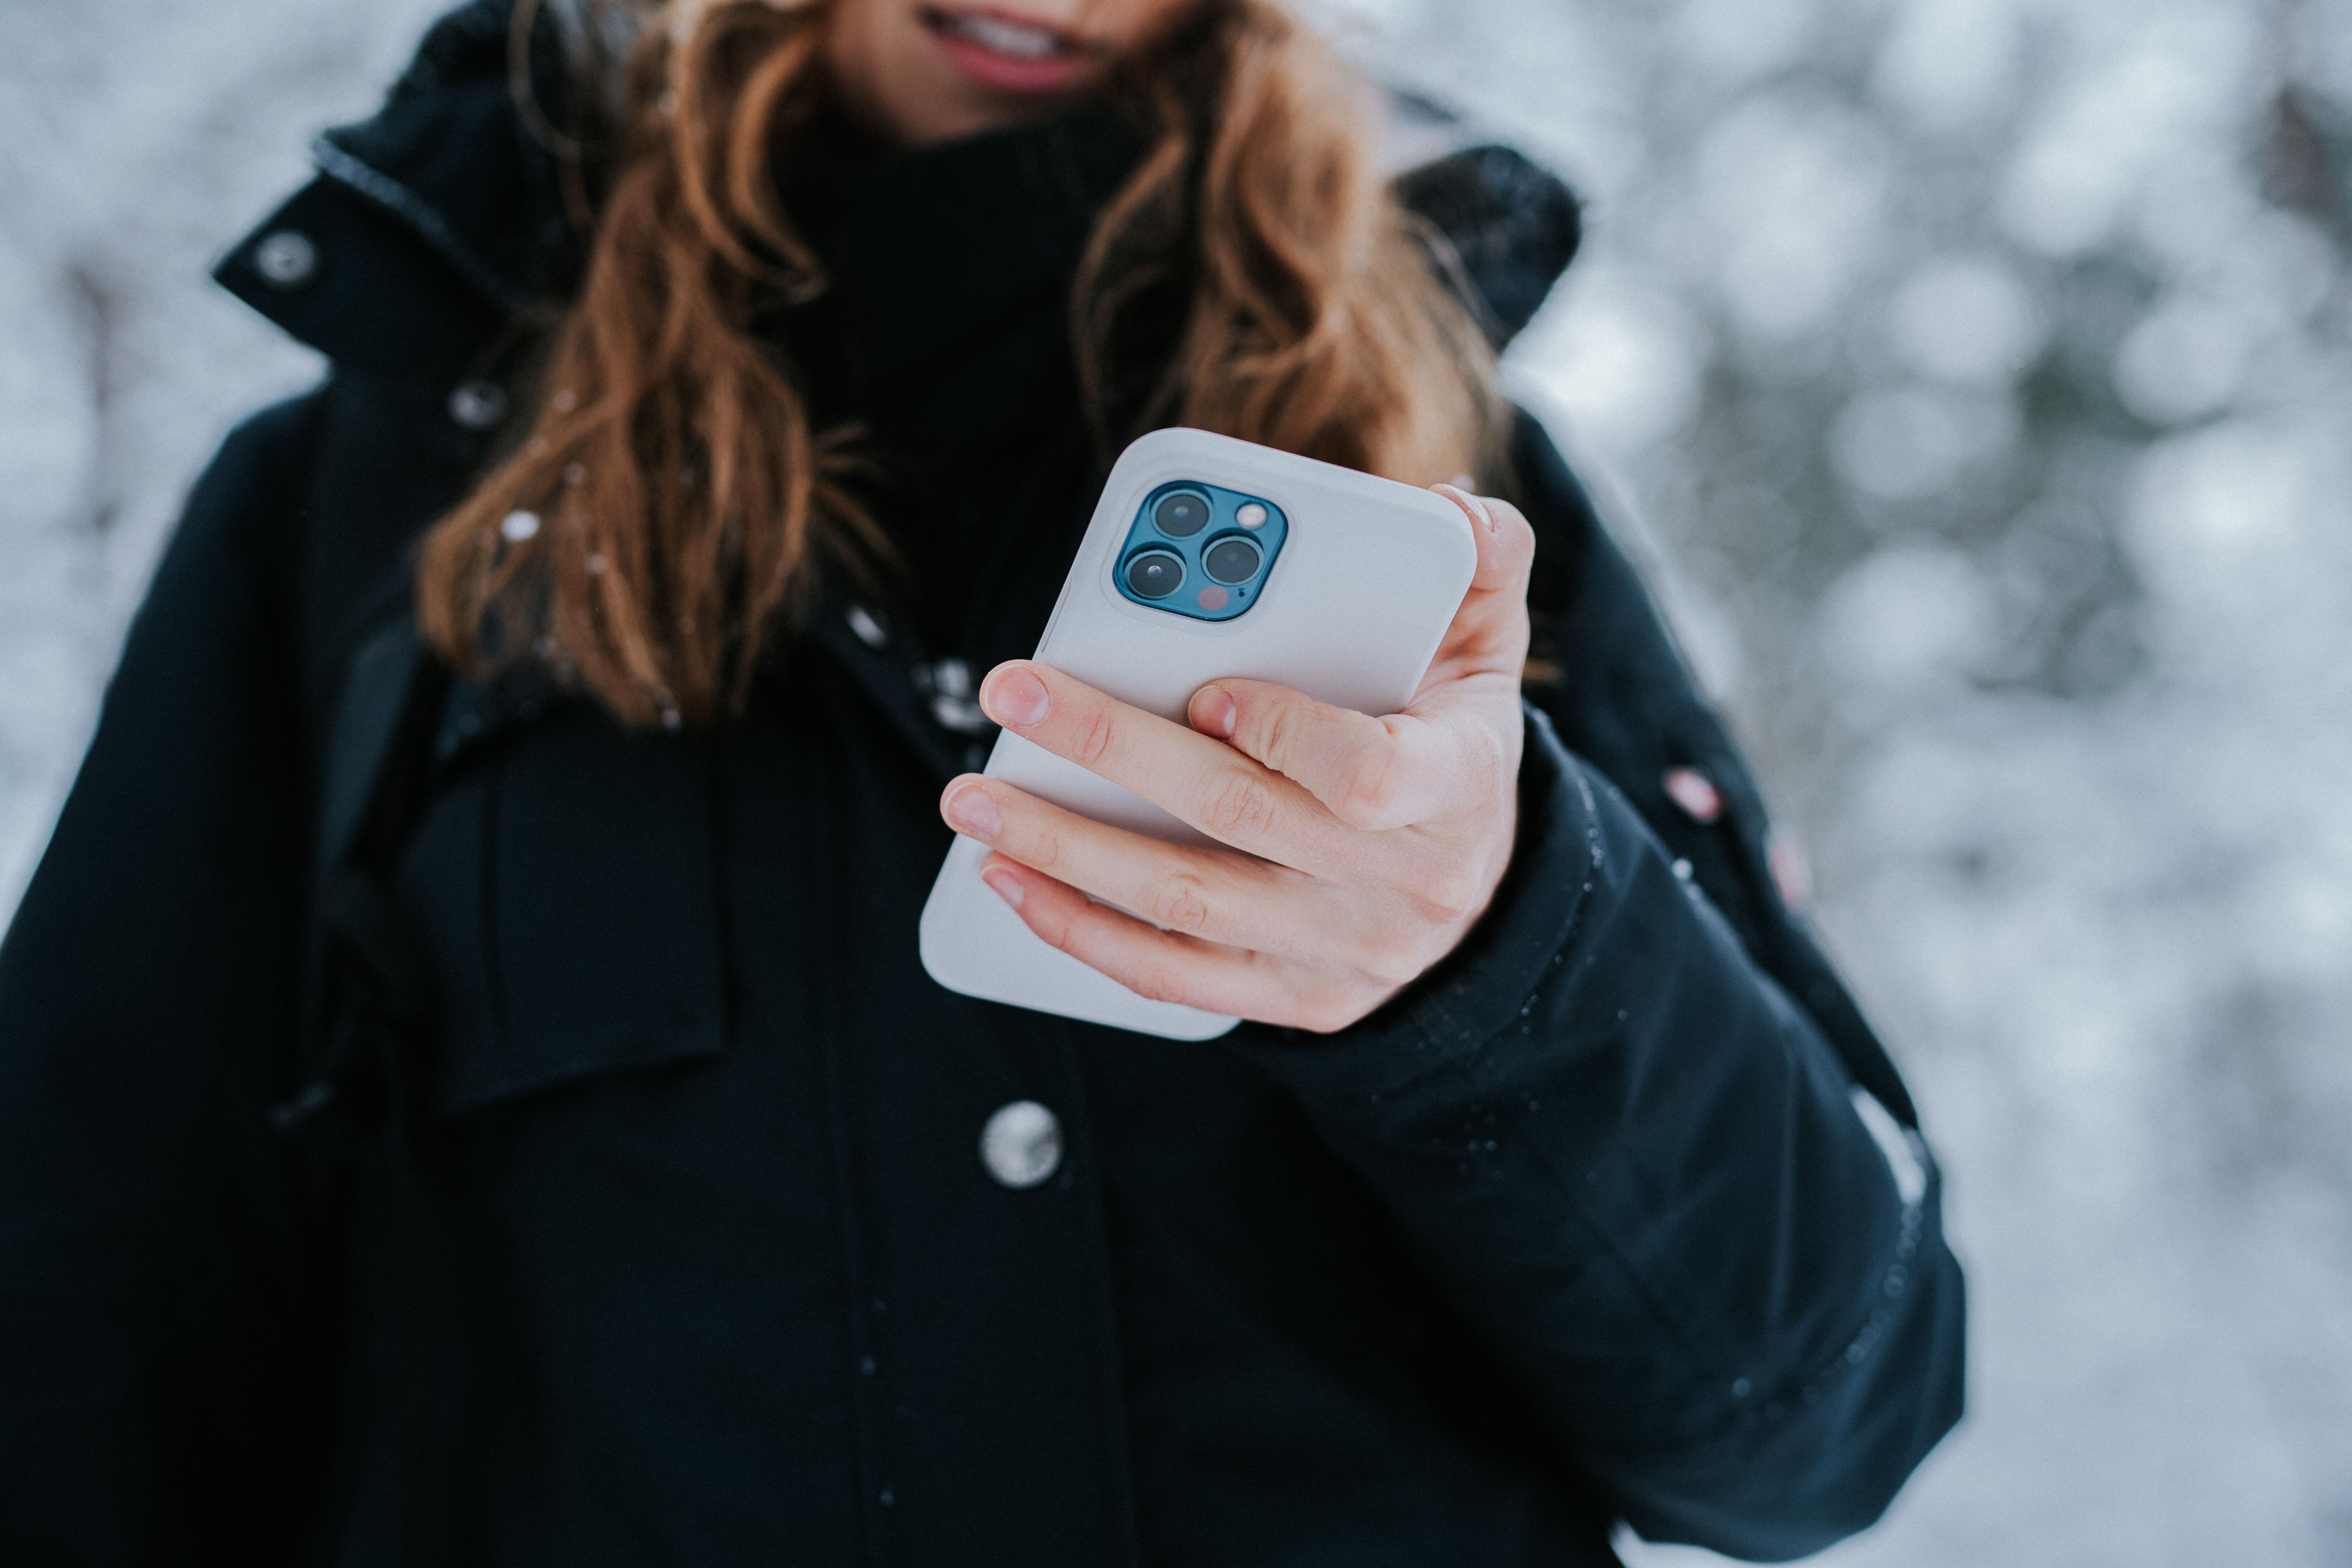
467, 1092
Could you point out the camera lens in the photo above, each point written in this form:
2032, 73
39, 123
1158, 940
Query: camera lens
1180, 515
1155, 574
1232, 561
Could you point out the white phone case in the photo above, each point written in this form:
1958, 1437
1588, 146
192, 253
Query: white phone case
1351, 612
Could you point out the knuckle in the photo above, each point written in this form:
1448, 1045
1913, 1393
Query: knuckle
1239, 808
1392, 966
1279, 734
1330, 1010
1090, 740
1043, 851
1181, 903
1383, 965
1445, 895
1390, 953
1054, 928
1155, 983
1370, 799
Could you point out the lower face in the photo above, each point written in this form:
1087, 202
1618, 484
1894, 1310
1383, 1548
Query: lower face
918, 72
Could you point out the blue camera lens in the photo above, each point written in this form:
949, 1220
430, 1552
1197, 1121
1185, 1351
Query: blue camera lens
1231, 560
1155, 574
1180, 515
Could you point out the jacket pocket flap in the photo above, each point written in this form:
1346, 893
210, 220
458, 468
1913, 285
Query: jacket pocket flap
569, 889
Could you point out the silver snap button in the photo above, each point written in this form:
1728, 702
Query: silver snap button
1022, 1144
286, 260
948, 684
478, 405
960, 714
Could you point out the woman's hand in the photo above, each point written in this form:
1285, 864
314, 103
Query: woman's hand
1362, 849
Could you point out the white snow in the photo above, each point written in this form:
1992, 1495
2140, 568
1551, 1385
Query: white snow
1960, 358
138, 140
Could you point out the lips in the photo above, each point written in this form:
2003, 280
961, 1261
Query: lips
1007, 52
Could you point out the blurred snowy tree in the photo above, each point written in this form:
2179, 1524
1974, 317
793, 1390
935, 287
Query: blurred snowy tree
1977, 373
137, 138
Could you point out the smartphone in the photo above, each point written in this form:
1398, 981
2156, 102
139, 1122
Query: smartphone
1207, 557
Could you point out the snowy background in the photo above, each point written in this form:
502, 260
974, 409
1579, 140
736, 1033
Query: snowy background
1974, 376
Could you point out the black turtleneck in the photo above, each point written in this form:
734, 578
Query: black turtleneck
943, 338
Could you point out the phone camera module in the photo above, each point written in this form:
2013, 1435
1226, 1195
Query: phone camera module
1231, 560
1180, 515
1156, 573
1198, 550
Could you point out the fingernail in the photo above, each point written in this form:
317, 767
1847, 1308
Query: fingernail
1005, 884
1217, 713
1014, 697
1478, 504
972, 810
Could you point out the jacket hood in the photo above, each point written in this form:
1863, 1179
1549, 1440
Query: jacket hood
443, 213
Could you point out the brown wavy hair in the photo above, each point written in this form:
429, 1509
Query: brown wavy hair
669, 503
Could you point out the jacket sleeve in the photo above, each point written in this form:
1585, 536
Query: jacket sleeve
1640, 1165
146, 987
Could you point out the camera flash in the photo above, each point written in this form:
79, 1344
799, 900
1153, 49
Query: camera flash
1251, 515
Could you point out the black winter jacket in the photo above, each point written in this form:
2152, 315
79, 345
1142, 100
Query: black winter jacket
437, 1126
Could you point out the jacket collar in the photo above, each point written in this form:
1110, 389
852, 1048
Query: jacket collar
450, 158
433, 239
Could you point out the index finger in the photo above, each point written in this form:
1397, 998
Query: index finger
1198, 780
1371, 774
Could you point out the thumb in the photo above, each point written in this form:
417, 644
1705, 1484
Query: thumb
1489, 634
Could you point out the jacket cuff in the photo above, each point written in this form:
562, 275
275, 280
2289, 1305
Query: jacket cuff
1481, 988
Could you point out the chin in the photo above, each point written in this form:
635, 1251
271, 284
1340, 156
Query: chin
949, 110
